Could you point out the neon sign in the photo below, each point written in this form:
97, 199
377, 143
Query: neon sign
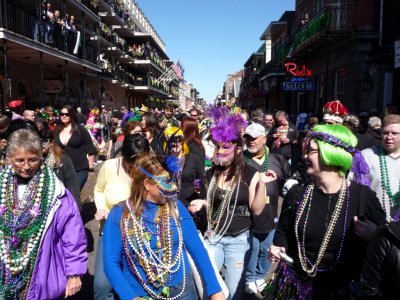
297, 71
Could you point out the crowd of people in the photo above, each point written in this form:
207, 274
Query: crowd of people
188, 203
58, 31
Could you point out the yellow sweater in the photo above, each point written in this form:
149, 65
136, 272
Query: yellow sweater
110, 189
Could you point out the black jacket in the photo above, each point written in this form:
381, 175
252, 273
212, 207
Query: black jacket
380, 277
372, 138
362, 203
66, 174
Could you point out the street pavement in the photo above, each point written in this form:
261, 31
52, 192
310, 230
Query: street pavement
92, 233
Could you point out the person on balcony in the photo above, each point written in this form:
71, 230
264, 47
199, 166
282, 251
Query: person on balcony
48, 17
59, 30
71, 34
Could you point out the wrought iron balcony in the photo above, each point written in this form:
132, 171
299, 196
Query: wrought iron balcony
330, 25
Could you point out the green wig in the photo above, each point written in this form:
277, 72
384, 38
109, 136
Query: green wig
332, 155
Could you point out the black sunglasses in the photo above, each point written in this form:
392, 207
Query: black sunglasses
64, 114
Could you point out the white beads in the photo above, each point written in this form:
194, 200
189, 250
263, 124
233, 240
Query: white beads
16, 253
312, 271
157, 265
215, 232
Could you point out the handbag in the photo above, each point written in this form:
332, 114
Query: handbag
200, 286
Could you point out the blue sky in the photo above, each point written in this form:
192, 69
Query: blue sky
212, 38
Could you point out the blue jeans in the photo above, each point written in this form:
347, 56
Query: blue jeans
82, 176
101, 286
259, 263
233, 253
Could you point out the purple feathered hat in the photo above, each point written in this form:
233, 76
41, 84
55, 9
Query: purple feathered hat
226, 126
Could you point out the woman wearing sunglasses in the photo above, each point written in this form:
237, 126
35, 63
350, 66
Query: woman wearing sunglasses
325, 224
148, 237
75, 140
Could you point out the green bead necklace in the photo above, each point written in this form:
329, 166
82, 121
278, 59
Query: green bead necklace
266, 152
385, 180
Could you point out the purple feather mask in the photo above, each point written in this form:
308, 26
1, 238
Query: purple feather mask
227, 126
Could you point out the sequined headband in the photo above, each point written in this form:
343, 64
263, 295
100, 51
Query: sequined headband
359, 169
330, 139
168, 189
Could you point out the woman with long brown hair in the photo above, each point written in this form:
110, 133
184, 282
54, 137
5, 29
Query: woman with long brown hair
190, 128
147, 240
77, 143
235, 191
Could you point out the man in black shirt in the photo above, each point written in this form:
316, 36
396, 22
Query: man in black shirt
263, 228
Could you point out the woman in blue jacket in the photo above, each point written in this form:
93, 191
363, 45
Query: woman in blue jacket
154, 233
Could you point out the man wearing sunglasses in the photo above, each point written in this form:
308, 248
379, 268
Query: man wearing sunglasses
194, 113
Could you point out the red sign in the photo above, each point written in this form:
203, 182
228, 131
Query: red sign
297, 71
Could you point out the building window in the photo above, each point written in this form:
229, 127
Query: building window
339, 82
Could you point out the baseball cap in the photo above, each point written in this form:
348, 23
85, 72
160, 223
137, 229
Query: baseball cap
255, 130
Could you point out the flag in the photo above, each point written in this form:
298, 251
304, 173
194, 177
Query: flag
178, 69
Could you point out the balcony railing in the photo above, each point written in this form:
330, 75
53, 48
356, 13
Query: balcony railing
329, 25
335, 17
27, 23
18, 19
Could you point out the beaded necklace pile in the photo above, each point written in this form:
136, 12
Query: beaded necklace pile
305, 206
158, 264
215, 229
22, 222
394, 198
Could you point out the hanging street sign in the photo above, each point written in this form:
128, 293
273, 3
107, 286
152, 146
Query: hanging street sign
298, 84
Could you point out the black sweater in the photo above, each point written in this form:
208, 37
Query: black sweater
78, 147
362, 203
192, 169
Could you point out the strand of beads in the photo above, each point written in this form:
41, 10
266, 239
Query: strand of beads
345, 222
394, 199
266, 154
214, 231
304, 262
21, 226
157, 264
214, 219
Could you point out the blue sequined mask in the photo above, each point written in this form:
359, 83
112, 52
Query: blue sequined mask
166, 185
